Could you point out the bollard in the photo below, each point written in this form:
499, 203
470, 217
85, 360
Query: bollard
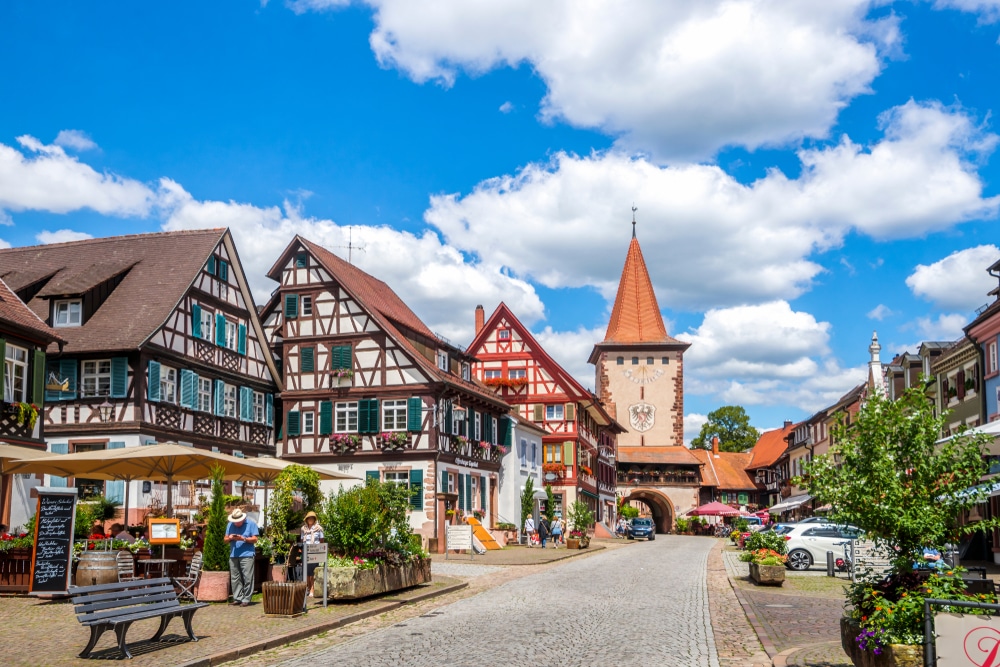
829, 564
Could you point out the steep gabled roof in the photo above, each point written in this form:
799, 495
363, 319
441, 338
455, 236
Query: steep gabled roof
156, 270
727, 468
636, 317
15, 314
769, 448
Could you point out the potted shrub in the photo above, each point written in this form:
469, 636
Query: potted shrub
527, 506
213, 584
581, 519
767, 566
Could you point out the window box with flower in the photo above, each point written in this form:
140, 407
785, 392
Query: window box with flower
394, 439
345, 443
557, 468
25, 414
514, 384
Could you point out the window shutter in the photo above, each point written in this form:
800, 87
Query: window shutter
269, 408
960, 384
468, 493
119, 377
417, 489
308, 358
368, 421
67, 371
246, 404
58, 448
196, 320
471, 419
291, 306
461, 491
449, 425
223, 270
444, 482
325, 417
524, 453
220, 398
153, 381
570, 412
482, 493
3, 356
414, 414
211, 265
507, 431
372, 475
38, 379
293, 422
189, 387
220, 329
115, 490
241, 341
567, 453
539, 412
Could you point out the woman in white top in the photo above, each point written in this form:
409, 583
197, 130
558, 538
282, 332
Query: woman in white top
312, 533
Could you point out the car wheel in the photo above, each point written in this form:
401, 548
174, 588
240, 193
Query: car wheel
800, 559
652, 537
631, 537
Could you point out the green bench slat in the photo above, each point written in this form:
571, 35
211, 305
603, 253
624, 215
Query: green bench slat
141, 615
124, 605
122, 595
103, 615
120, 586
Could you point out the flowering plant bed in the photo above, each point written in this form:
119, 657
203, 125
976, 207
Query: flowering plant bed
553, 467
353, 583
394, 439
767, 575
854, 641
345, 442
509, 383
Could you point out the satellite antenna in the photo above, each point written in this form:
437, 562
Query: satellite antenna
350, 245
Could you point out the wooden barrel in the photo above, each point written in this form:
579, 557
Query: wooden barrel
97, 567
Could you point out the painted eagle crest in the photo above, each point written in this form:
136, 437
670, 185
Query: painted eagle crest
641, 416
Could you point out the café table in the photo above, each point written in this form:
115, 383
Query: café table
161, 563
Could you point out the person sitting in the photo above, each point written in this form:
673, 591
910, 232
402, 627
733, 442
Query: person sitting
118, 532
97, 531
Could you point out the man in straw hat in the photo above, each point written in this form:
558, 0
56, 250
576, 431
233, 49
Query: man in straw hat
241, 533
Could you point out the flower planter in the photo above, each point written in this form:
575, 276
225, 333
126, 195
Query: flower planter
767, 575
284, 598
213, 586
893, 655
573, 543
351, 583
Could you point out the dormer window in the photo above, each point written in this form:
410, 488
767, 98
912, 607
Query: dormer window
442, 358
466, 372
67, 313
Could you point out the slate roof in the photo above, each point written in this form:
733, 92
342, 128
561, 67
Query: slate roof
675, 455
769, 448
14, 313
158, 270
725, 470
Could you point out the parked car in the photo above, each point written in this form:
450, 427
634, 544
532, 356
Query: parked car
642, 528
808, 542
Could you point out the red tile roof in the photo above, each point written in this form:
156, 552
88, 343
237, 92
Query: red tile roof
14, 313
769, 448
636, 316
158, 270
725, 470
676, 455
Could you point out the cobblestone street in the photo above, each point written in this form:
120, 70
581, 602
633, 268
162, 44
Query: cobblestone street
644, 605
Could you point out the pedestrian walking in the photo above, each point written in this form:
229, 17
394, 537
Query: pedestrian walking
241, 534
529, 530
557, 531
543, 530
312, 533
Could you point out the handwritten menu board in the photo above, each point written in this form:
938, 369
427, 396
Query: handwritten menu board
51, 563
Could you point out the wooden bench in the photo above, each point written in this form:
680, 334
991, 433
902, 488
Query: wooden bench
118, 606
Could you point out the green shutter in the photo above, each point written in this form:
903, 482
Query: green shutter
487, 427
482, 493
189, 388
67, 371
119, 377
291, 306
196, 320
569, 412
293, 422
211, 265
461, 491
58, 448
246, 404
300, 260
308, 355
325, 417
241, 340
220, 398
414, 414
470, 419
417, 489
38, 379
468, 493
444, 482
153, 381
368, 421
538, 412
269, 409
448, 421
372, 475
567, 453
341, 357
115, 490
223, 270
504, 436
220, 329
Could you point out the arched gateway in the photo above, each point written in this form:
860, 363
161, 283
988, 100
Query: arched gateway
659, 505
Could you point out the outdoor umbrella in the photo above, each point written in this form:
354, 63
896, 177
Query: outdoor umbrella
715, 509
10, 453
271, 467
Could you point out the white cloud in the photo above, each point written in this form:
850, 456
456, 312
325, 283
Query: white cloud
435, 280
880, 312
44, 178
506, 107
77, 140
671, 77
571, 349
945, 327
303, 6
989, 10
958, 281
692, 426
4, 244
61, 236
708, 239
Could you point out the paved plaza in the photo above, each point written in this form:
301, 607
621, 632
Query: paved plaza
643, 605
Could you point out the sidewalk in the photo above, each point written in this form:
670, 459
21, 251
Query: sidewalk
37, 632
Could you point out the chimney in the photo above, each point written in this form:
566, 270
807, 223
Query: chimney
480, 319
788, 424
715, 446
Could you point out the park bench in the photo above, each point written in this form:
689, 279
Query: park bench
118, 606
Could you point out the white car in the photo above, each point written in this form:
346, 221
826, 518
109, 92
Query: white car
808, 543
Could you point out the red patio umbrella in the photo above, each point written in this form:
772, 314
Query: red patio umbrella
715, 509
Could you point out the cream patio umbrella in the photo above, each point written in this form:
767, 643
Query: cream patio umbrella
10, 453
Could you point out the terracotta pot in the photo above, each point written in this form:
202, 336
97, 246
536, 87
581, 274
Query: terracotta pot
213, 586
572, 543
278, 573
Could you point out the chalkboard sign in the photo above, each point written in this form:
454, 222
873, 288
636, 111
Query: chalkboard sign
51, 564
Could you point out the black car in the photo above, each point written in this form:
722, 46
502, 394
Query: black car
642, 528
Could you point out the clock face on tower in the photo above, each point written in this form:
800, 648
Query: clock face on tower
643, 374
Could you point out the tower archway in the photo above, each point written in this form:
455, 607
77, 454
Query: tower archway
659, 506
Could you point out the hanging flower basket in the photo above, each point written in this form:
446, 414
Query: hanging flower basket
510, 383
460, 440
23, 413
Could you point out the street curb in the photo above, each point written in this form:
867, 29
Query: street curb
303, 633
781, 660
762, 636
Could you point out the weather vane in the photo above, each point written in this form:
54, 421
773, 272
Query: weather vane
634, 209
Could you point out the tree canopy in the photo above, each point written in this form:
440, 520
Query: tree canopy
732, 426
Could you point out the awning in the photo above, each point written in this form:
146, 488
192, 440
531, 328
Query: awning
789, 504
584, 492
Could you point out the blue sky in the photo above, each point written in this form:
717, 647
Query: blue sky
804, 172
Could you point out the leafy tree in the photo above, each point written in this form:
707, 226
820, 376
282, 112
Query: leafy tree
215, 553
550, 504
362, 519
887, 474
628, 512
527, 501
732, 426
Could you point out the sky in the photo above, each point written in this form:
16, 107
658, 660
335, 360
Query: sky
804, 173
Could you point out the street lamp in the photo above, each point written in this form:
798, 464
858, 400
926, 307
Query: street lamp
105, 409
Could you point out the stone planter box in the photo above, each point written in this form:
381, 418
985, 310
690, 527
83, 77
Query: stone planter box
767, 575
894, 655
351, 583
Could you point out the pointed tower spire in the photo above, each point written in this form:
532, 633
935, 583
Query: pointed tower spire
876, 376
635, 317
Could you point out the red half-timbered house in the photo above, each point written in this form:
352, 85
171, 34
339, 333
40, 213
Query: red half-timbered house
369, 387
163, 344
578, 455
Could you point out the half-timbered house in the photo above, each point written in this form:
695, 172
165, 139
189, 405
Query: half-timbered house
578, 457
369, 387
163, 344
23, 339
